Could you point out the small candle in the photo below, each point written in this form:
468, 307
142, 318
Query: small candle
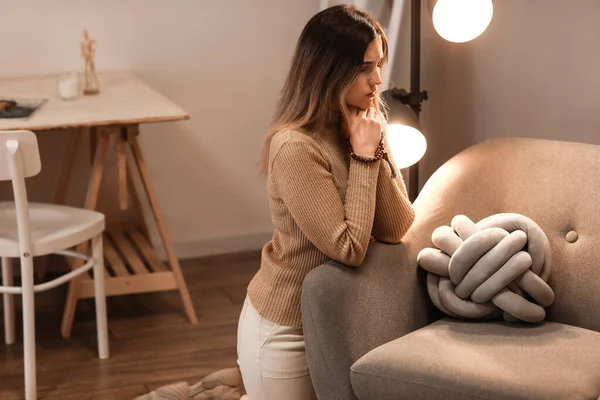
68, 86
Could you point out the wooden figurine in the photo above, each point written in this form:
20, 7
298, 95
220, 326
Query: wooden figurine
87, 52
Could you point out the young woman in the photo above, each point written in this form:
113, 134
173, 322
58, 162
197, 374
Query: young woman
332, 188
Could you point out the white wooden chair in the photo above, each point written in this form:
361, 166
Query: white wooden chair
33, 229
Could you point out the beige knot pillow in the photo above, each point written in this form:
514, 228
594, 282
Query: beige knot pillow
498, 266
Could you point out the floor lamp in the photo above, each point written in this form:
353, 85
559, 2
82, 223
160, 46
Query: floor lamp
456, 21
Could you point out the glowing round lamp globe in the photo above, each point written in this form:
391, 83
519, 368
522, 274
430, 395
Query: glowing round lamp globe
461, 20
407, 145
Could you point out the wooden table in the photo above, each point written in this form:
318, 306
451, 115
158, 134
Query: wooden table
124, 102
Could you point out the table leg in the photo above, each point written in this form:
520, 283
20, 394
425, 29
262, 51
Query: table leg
137, 205
157, 213
90, 203
121, 145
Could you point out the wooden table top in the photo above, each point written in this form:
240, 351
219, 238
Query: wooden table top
123, 99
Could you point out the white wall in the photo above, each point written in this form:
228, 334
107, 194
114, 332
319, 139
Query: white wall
533, 73
222, 61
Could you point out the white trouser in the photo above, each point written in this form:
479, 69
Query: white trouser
272, 359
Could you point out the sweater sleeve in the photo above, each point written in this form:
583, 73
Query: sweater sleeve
340, 230
394, 213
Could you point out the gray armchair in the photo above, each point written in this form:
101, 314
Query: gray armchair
372, 333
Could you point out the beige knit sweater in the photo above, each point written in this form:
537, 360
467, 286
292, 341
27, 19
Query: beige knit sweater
324, 206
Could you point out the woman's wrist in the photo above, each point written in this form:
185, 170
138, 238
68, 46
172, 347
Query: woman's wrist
378, 154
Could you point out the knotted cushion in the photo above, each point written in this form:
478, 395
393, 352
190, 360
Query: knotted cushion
498, 266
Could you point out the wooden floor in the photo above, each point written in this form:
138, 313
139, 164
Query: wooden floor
151, 341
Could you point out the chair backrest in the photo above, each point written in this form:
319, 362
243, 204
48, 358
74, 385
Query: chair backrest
555, 183
21, 145
20, 159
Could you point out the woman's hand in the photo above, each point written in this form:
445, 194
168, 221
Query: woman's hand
365, 132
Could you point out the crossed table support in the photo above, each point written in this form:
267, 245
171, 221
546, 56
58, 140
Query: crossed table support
146, 272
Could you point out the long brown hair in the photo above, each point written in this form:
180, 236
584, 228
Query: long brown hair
328, 58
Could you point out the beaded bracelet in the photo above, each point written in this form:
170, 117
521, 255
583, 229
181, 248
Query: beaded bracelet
379, 153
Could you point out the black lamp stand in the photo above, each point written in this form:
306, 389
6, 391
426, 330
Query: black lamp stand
415, 97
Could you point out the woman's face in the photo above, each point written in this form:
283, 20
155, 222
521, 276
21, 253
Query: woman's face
363, 89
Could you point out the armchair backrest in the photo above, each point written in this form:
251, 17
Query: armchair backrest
555, 183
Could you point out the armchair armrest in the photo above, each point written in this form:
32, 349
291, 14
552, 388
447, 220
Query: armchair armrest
348, 311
